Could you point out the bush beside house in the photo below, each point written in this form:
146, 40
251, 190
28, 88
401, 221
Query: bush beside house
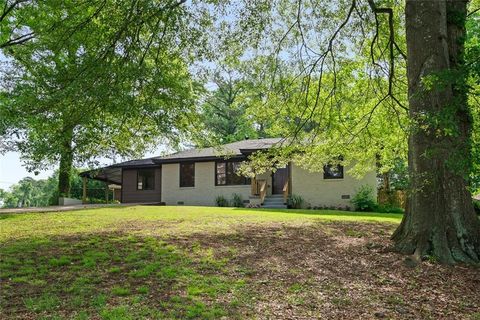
221, 201
364, 200
295, 202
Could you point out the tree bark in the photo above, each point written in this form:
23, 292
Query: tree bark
439, 220
66, 162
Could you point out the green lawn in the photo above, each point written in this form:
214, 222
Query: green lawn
167, 220
197, 262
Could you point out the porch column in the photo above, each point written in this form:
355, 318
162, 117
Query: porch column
290, 184
106, 192
253, 187
84, 194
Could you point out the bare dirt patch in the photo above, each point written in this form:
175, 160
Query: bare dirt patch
341, 271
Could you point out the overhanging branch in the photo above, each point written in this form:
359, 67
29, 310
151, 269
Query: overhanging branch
392, 45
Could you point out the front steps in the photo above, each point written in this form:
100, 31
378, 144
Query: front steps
274, 201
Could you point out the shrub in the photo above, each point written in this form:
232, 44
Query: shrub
221, 201
101, 201
363, 200
295, 202
237, 200
388, 209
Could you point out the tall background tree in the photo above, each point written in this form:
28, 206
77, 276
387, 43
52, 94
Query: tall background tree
224, 115
229, 110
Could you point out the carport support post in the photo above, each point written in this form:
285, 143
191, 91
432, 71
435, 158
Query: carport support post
106, 192
84, 195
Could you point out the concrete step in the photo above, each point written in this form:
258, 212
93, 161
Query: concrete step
267, 203
274, 200
275, 196
274, 206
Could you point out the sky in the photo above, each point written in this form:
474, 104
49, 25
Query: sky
11, 170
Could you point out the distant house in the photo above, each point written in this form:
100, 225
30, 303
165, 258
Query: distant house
198, 176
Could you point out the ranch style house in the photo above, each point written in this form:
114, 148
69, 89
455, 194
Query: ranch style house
196, 177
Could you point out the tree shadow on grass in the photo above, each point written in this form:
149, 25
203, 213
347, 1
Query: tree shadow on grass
111, 276
339, 270
272, 270
4, 216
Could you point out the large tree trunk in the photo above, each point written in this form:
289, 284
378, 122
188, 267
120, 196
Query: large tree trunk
439, 220
66, 162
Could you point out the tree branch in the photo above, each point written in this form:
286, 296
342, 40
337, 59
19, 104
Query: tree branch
7, 9
473, 12
391, 46
19, 40
321, 59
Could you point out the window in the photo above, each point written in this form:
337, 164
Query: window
331, 171
187, 174
146, 179
226, 174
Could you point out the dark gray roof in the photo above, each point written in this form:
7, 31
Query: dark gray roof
136, 163
234, 149
237, 149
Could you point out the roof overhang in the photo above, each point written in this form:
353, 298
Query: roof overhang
200, 159
248, 152
111, 174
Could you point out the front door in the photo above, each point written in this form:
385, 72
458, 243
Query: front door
279, 178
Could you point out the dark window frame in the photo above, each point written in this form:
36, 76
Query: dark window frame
340, 168
143, 181
228, 181
180, 174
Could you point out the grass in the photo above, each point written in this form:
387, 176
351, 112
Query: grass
146, 265
148, 262
167, 220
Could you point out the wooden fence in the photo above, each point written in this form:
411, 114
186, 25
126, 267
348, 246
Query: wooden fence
397, 198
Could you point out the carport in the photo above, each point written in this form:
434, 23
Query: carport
111, 175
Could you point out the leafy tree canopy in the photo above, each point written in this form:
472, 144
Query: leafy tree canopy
230, 111
111, 79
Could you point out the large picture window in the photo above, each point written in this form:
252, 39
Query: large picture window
226, 174
187, 174
146, 179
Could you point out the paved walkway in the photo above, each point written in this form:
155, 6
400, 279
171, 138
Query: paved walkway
71, 207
